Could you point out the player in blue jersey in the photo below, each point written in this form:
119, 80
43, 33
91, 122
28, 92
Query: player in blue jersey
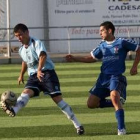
42, 76
111, 82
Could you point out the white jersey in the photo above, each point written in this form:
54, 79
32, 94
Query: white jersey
31, 55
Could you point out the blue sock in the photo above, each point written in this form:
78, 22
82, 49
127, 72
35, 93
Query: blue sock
120, 118
105, 103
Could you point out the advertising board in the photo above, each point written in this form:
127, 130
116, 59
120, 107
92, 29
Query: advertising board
88, 15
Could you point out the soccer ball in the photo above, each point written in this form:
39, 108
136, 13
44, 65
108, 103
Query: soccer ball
9, 97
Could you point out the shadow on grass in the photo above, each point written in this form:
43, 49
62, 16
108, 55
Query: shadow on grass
111, 129
78, 109
66, 130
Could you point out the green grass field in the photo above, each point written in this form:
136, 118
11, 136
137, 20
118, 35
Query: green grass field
41, 119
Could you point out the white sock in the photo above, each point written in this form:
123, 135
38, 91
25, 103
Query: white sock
21, 102
66, 109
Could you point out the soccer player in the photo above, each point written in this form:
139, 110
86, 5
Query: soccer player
42, 76
112, 51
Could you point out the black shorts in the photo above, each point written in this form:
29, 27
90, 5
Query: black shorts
106, 83
50, 84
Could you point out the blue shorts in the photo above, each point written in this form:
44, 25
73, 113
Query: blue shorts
106, 83
50, 84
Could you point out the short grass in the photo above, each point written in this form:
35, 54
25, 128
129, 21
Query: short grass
41, 119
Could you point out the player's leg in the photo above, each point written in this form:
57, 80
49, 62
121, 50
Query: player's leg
23, 99
99, 92
21, 102
51, 86
93, 101
31, 89
67, 110
119, 112
115, 97
118, 88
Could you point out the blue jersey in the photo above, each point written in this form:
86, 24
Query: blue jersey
113, 55
31, 55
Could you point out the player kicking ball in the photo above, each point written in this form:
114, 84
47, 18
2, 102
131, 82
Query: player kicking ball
112, 51
42, 76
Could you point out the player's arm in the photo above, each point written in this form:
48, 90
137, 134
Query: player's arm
133, 70
23, 70
42, 60
86, 59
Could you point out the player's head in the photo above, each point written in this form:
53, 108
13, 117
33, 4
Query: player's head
21, 32
21, 27
107, 30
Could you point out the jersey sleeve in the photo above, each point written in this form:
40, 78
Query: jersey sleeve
97, 53
40, 47
130, 45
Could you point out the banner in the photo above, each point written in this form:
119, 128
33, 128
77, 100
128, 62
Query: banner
124, 13
93, 12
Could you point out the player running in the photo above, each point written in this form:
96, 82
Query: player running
111, 82
42, 76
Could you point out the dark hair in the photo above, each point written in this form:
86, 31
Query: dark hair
21, 27
108, 25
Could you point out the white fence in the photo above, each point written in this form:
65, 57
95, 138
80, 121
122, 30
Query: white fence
66, 26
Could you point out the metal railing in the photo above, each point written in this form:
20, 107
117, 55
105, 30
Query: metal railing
49, 29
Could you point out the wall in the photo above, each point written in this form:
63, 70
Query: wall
90, 13
29, 12
82, 17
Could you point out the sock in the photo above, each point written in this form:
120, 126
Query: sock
66, 109
105, 103
21, 102
120, 118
